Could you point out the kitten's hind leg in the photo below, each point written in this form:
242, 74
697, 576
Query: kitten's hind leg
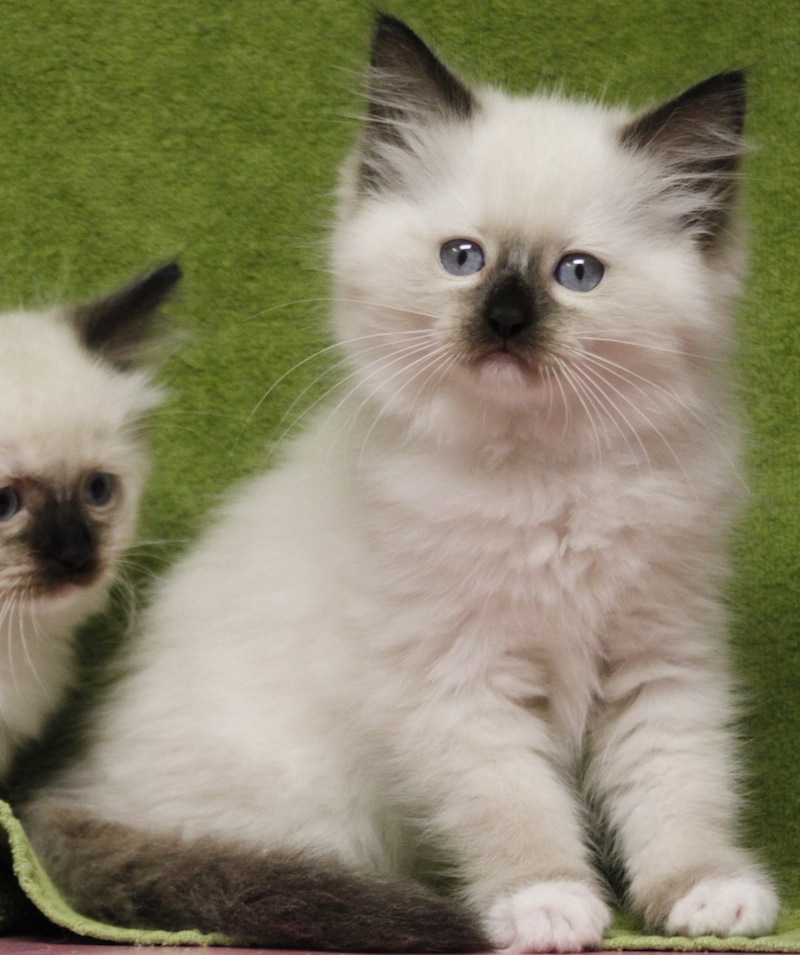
121, 876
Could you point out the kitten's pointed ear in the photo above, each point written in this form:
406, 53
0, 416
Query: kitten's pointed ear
406, 77
697, 138
408, 87
120, 326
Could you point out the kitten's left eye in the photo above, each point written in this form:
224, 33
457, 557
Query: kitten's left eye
10, 502
462, 257
99, 488
579, 272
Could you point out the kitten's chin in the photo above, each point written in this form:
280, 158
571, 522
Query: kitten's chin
69, 595
503, 376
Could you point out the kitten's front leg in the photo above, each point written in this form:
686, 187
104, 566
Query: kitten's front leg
662, 764
496, 803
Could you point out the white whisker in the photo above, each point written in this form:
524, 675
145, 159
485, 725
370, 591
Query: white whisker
342, 363
10, 607
549, 374
612, 411
630, 377
579, 390
604, 366
359, 377
321, 353
658, 348
379, 370
427, 361
653, 426
38, 637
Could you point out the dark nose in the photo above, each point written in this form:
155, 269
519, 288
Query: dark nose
74, 550
65, 546
509, 308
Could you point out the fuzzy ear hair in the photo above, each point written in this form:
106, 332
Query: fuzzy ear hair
697, 138
119, 326
408, 87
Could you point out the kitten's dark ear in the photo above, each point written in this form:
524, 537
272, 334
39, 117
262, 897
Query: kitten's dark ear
408, 86
119, 326
698, 139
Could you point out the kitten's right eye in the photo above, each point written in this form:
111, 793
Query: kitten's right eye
10, 502
579, 272
462, 257
99, 488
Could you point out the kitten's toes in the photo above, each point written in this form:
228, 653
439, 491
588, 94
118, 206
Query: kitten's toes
555, 916
744, 905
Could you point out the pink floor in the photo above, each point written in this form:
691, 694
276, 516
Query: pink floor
37, 946
25, 945
72, 946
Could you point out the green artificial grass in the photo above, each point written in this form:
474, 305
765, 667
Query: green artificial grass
212, 129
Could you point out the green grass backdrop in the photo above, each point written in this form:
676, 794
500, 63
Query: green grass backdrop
212, 129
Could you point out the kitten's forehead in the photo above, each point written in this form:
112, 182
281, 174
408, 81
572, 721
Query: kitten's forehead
544, 156
535, 166
62, 409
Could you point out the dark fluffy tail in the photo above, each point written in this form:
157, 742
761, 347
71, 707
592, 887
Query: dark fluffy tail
122, 876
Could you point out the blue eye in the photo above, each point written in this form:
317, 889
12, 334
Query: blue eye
98, 489
579, 272
10, 503
462, 257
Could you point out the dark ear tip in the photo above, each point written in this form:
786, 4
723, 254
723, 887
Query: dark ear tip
391, 30
165, 276
732, 81
729, 87
119, 325
172, 270
737, 76
733, 77
388, 23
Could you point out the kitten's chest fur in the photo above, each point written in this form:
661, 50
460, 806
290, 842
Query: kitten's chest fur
512, 575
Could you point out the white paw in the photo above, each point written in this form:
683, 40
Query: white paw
556, 916
743, 905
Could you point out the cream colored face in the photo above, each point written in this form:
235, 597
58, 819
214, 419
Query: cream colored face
55, 536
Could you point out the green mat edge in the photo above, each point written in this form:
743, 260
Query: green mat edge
38, 887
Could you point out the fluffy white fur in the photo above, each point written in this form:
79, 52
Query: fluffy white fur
68, 412
471, 583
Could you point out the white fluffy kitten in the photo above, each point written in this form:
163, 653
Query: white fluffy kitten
72, 465
484, 586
